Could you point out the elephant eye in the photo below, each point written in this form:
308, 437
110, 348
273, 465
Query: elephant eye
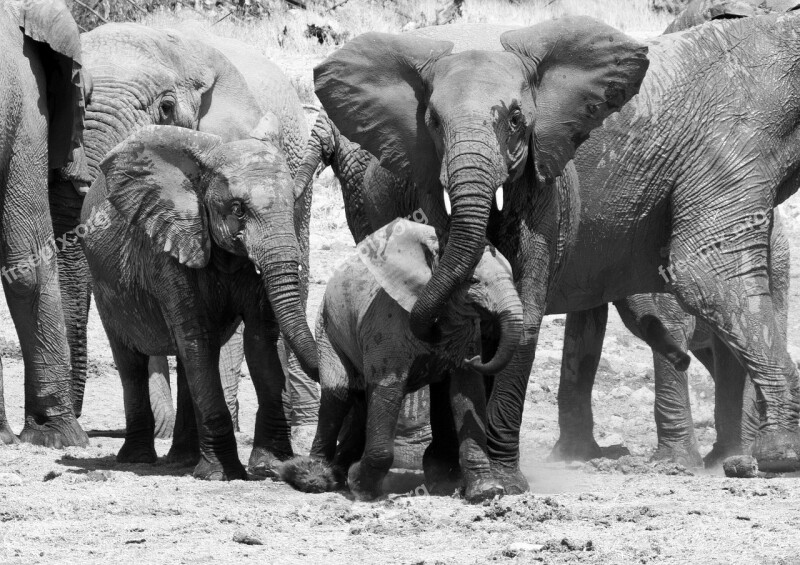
166, 108
237, 209
515, 120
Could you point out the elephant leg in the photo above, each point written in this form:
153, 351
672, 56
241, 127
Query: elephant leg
74, 280
751, 419
353, 436
185, 449
672, 409
231, 357
365, 478
468, 400
729, 380
303, 394
30, 280
219, 458
441, 459
160, 397
271, 442
6, 435
507, 401
139, 423
741, 313
413, 430
583, 344
336, 376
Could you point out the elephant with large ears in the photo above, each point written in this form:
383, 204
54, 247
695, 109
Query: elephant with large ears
41, 120
463, 112
736, 418
367, 348
164, 77
198, 233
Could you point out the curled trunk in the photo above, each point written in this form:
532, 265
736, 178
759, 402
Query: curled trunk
509, 319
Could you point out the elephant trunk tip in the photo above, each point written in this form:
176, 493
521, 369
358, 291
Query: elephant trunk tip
307, 474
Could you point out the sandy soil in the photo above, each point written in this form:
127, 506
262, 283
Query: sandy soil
80, 506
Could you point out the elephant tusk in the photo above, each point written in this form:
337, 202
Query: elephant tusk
498, 198
258, 271
446, 201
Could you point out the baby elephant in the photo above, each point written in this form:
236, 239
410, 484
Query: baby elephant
199, 232
366, 346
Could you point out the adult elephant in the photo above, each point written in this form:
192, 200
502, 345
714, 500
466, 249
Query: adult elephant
158, 77
736, 418
41, 112
458, 114
659, 179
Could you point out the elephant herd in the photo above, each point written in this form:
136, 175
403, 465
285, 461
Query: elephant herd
557, 168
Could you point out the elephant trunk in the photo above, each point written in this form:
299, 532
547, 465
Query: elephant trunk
509, 318
319, 150
471, 172
278, 261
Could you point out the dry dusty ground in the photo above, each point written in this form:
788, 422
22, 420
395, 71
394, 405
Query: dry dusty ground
80, 506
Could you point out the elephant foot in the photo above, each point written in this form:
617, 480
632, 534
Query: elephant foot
482, 488
54, 432
365, 481
212, 469
442, 473
778, 451
510, 476
679, 454
569, 450
184, 453
265, 464
720, 453
7, 437
133, 451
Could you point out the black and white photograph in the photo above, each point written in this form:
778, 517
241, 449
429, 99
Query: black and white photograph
416, 282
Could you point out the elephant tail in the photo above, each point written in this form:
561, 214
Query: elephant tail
309, 475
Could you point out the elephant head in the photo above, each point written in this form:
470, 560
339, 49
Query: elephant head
701, 11
143, 76
404, 255
468, 122
195, 195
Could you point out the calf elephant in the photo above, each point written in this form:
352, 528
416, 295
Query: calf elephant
199, 233
367, 348
676, 438
41, 121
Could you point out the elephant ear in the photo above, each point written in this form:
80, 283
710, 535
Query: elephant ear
155, 179
53, 35
374, 90
584, 70
228, 108
401, 256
